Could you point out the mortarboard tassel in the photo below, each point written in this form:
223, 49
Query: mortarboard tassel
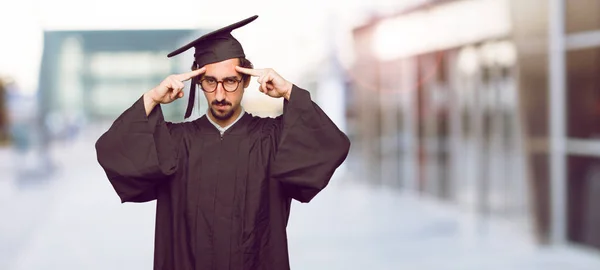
190, 106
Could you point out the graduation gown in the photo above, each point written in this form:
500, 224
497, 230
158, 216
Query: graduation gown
223, 202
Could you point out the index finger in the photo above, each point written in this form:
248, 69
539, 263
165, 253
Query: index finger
249, 71
188, 75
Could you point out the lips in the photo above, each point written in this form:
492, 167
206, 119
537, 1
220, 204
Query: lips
220, 106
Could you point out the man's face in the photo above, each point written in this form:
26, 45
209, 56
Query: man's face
223, 104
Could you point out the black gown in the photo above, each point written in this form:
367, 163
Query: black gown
223, 202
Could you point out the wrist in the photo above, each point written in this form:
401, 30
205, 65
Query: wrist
149, 100
151, 95
288, 93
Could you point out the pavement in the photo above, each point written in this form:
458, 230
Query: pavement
72, 219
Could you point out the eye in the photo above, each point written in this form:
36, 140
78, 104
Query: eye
210, 80
229, 81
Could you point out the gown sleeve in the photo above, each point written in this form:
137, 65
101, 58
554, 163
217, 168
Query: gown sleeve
310, 147
138, 152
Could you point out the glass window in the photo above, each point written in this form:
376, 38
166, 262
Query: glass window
129, 64
582, 15
583, 191
583, 95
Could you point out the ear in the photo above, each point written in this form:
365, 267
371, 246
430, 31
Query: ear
247, 82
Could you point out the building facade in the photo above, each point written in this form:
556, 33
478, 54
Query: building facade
489, 105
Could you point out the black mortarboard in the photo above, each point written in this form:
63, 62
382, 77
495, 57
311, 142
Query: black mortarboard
216, 46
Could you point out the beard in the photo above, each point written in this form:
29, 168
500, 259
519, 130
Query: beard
222, 114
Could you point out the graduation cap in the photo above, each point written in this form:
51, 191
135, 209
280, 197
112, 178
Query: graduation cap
216, 46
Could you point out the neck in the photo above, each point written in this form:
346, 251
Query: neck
226, 122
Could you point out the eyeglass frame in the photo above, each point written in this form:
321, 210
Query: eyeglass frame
199, 83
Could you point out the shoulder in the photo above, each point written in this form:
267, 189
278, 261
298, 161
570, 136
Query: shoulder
193, 126
262, 125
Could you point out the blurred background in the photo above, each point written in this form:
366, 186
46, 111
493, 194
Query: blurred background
474, 144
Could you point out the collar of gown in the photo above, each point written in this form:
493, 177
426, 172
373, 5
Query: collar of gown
223, 129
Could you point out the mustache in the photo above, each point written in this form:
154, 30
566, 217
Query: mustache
222, 102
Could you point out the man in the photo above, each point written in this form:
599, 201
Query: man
224, 182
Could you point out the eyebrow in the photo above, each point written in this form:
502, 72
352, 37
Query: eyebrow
229, 77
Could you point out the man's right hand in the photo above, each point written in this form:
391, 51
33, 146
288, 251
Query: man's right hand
169, 90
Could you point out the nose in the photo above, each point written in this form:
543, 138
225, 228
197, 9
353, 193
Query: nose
219, 92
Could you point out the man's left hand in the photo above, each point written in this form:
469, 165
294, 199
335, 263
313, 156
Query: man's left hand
270, 82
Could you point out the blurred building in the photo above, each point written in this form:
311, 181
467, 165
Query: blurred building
461, 100
97, 74
4, 125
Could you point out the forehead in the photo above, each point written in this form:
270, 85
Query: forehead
222, 69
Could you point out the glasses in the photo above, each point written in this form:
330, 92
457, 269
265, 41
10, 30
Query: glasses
209, 85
